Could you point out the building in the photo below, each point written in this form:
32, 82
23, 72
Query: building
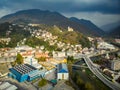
7, 86
25, 72
5, 40
33, 62
25, 47
62, 72
7, 59
105, 45
59, 54
70, 29
115, 65
41, 54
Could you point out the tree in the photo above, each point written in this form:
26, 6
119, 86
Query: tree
19, 59
42, 59
88, 86
42, 82
70, 59
80, 83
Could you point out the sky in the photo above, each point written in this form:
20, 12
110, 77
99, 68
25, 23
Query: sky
100, 12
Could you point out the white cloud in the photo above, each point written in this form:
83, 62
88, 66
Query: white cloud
4, 11
97, 18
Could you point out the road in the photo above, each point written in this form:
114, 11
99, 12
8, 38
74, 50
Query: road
114, 86
74, 65
93, 68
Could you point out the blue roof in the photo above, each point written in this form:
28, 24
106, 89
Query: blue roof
62, 68
23, 69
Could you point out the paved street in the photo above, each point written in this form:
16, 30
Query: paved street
91, 66
62, 86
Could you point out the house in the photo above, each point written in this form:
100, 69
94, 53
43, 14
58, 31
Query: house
7, 59
41, 54
59, 54
24, 47
25, 72
62, 72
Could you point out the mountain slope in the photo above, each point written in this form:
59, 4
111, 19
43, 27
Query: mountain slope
115, 32
46, 17
110, 27
88, 24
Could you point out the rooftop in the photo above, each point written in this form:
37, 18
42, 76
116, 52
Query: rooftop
24, 68
62, 68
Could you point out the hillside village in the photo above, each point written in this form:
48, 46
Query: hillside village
39, 58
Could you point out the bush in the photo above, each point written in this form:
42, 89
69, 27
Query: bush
42, 83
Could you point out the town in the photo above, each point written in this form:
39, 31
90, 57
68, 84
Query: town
29, 67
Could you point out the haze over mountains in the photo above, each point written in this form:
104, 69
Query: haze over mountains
52, 18
112, 29
111, 26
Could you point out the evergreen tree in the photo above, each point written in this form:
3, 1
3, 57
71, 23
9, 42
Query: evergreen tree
19, 59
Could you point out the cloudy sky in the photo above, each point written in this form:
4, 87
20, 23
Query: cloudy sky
100, 12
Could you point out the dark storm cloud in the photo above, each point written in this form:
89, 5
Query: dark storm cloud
102, 6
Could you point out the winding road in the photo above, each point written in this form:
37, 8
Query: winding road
90, 64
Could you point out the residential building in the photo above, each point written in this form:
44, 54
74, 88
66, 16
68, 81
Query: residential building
7, 59
59, 54
24, 47
105, 45
41, 54
62, 72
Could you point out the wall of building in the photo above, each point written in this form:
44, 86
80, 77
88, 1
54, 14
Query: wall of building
64, 76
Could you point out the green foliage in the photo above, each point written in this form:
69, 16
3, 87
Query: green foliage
19, 59
66, 36
88, 86
42, 82
42, 59
83, 40
70, 59
2, 44
33, 42
96, 44
16, 34
81, 84
56, 31
70, 37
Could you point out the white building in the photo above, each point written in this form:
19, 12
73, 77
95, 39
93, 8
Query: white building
62, 72
7, 86
24, 47
33, 62
59, 54
105, 45
70, 29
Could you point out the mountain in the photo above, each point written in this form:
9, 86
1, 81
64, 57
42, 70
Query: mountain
110, 27
88, 24
115, 32
46, 17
